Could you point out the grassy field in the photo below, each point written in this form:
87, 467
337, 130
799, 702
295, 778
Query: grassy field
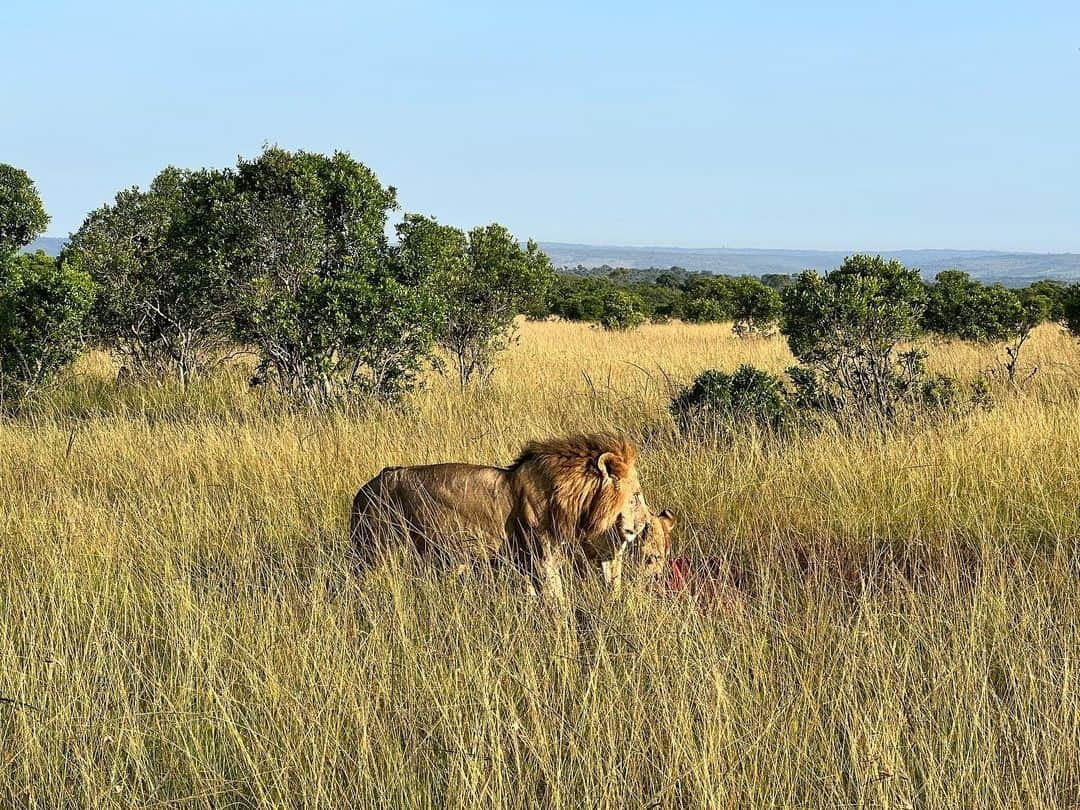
178, 627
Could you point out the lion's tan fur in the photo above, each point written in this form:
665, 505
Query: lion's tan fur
560, 499
654, 548
564, 472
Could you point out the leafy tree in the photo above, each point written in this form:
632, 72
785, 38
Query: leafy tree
659, 303
1017, 316
622, 310
717, 401
158, 258
43, 304
951, 306
43, 307
848, 324
597, 300
709, 298
22, 215
704, 310
329, 311
998, 313
755, 307
960, 307
1047, 295
1070, 309
776, 281
484, 280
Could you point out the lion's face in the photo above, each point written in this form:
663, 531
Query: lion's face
633, 516
620, 512
632, 513
656, 546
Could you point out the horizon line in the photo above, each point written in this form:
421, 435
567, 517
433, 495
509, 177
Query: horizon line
613, 246
849, 251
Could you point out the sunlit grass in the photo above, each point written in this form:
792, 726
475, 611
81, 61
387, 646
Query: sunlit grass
178, 626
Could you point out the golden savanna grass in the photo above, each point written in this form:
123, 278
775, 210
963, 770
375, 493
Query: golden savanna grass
178, 627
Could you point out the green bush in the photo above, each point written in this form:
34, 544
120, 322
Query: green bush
809, 392
1070, 309
22, 216
718, 402
321, 301
483, 280
622, 310
43, 308
847, 325
43, 303
601, 301
709, 299
755, 308
958, 306
1046, 298
159, 261
704, 310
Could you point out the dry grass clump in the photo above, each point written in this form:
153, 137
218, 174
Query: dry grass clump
178, 627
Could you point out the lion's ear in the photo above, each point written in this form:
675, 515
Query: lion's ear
607, 464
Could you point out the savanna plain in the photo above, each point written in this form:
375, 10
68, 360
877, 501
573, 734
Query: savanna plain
179, 626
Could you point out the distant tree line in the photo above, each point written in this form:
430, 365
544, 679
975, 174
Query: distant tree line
618, 300
846, 328
286, 256
955, 306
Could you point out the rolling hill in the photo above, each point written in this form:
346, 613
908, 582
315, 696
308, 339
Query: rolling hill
1012, 269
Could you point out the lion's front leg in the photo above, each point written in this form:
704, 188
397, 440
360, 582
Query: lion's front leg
552, 588
612, 571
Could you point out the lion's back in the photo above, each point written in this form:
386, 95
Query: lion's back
464, 505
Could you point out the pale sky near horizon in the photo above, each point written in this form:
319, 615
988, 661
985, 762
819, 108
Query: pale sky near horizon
693, 124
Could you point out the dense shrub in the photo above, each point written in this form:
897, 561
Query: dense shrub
1046, 298
43, 308
330, 315
1070, 309
961, 307
621, 310
951, 305
718, 402
158, 259
958, 306
594, 300
847, 325
755, 308
43, 304
704, 310
810, 394
483, 281
658, 303
709, 299
22, 216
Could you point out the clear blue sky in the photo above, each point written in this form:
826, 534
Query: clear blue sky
804, 125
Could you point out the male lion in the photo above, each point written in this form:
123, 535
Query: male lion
577, 499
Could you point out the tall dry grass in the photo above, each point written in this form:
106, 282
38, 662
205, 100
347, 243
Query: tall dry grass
178, 627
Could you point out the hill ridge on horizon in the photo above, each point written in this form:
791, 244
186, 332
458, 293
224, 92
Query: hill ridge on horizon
1014, 268
747, 249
